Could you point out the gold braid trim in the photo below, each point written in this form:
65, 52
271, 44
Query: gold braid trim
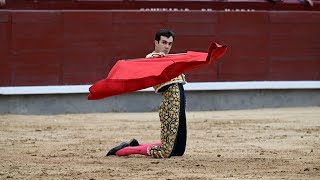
179, 79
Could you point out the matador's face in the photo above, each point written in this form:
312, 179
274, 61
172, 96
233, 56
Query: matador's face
164, 45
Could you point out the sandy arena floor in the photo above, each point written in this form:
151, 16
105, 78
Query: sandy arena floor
278, 143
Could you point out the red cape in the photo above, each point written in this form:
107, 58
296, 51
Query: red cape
132, 75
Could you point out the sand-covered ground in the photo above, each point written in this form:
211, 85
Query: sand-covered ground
280, 143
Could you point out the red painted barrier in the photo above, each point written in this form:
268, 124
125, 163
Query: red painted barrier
63, 47
168, 5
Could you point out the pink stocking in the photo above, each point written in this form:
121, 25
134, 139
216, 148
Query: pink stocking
141, 149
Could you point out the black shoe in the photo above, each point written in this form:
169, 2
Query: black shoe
133, 142
117, 148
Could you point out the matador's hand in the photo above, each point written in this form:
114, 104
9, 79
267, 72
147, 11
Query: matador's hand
156, 55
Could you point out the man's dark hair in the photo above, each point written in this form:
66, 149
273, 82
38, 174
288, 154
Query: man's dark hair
164, 32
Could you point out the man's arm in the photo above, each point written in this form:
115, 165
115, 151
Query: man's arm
155, 55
